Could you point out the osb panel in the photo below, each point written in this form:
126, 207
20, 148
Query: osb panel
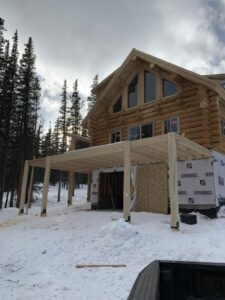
158, 188
142, 188
152, 188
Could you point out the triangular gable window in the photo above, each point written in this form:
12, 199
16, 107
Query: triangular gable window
169, 88
117, 106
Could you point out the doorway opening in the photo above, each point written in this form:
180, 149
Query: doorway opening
111, 190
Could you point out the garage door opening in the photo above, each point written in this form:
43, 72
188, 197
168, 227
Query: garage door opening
111, 190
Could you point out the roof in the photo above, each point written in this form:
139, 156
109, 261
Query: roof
112, 155
109, 81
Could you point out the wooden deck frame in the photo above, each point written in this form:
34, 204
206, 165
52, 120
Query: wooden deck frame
168, 148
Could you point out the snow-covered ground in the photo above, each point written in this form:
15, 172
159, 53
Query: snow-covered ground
38, 256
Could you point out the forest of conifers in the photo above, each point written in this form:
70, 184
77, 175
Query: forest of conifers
23, 133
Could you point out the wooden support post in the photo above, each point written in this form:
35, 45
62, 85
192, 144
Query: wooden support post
45, 187
89, 187
70, 188
24, 187
30, 190
173, 192
126, 182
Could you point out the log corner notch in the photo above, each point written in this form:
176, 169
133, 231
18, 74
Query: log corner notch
173, 192
126, 187
45, 188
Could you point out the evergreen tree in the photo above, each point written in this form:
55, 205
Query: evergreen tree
92, 98
47, 147
38, 139
75, 115
27, 106
8, 97
2, 47
56, 137
63, 118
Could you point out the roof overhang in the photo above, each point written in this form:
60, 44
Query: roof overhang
143, 151
169, 67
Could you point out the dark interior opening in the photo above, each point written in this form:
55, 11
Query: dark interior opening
111, 190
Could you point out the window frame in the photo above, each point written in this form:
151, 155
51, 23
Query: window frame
170, 118
162, 87
117, 99
156, 86
138, 90
222, 127
140, 130
114, 132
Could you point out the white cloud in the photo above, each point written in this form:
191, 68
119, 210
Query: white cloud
78, 39
49, 105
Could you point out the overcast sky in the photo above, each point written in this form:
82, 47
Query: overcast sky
81, 38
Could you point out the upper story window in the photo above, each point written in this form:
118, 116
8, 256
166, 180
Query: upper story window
115, 137
141, 132
222, 82
133, 93
170, 125
117, 106
149, 86
222, 123
169, 88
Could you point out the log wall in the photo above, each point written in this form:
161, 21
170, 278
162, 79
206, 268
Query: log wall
195, 106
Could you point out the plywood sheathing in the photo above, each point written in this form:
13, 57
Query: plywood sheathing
152, 188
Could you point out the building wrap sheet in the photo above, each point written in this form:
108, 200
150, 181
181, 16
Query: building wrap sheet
219, 176
196, 182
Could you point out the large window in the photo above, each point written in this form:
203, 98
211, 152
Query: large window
141, 132
170, 125
169, 88
150, 87
117, 106
133, 92
115, 137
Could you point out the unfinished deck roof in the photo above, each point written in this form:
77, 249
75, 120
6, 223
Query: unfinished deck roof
111, 155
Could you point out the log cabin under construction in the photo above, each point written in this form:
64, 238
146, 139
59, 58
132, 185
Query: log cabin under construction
149, 115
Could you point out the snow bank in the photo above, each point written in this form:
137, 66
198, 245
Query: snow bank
118, 230
39, 255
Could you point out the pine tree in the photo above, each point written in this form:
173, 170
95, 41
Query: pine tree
56, 137
63, 118
2, 47
8, 98
47, 147
92, 98
75, 115
27, 106
38, 139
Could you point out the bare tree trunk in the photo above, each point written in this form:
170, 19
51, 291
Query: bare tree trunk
6, 201
59, 186
11, 197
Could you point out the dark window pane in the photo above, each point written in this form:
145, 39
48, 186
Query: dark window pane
115, 137
133, 92
134, 133
170, 125
169, 88
117, 105
167, 126
146, 131
222, 82
150, 87
223, 127
173, 125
